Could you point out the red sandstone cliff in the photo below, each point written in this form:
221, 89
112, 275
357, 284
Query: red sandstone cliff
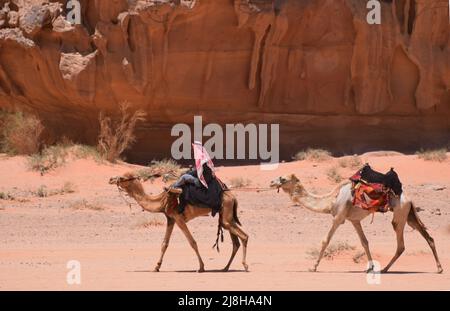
314, 66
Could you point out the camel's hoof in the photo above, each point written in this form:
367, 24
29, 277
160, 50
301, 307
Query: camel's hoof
440, 270
245, 267
225, 269
370, 270
385, 270
201, 270
156, 269
312, 269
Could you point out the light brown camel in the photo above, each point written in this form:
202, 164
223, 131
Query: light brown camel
338, 203
165, 203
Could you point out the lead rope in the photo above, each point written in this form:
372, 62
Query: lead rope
124, 198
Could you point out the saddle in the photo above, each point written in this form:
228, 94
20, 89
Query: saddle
373, 190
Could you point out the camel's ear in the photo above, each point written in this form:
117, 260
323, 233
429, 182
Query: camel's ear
294, 178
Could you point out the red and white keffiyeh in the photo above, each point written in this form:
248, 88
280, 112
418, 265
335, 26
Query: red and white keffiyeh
201, 157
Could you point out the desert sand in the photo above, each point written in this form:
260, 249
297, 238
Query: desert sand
118, 246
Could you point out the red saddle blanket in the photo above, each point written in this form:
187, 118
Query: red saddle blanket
372, 197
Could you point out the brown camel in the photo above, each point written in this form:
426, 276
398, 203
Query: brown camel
338, 203
166, 202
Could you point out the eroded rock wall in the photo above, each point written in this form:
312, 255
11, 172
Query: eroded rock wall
314, 66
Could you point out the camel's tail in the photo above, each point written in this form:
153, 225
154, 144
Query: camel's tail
220, 228
219, 236
235, 214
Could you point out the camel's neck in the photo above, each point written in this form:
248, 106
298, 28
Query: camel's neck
150, 203
318, 204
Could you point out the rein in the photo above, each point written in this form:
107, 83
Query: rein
252, 189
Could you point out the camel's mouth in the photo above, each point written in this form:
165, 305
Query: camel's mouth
113, 180
277, 183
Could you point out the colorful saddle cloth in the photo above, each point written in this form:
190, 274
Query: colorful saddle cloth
371, 197
372, 190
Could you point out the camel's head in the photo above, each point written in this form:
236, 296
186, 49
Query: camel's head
285, 182
128, 182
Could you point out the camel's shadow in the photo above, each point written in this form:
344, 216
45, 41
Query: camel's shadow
190, 271
365, 272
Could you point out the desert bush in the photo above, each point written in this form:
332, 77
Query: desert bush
48, 159
41, 192
166, 168
239, 182
316, 155
145, 223
436, 155
117, 136
350, 162
358, 256
21, 133
56, 156
85, 205
6, 196
334, 175
331, 251
68, 187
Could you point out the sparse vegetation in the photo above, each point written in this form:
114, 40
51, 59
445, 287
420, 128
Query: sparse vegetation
56, 156
145, 223
85, 205
334, 175
21, 133
166, 168
436, 155
41, 192
350, 162
6, 196
68, 187
117, 136
315, 155
49, 159
44, 192
358, 256
239, 182
331, 251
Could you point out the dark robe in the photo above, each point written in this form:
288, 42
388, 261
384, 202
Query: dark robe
207, 197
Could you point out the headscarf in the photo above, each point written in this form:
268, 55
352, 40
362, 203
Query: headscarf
201, 157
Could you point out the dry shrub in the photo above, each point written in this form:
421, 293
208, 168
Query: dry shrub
21, 133
145, 223
350, 162
85, 205
117, 136
166, 168
331, 251
315, 155
43, 191
49, 159
436, 155
239, 182
334, 175
56, 156
358, 256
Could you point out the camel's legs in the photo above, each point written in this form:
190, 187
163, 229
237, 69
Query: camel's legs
236, 246
235, 230
325, 242
165, 244
399, 226
182, 225
364, 242
244, 238
414, 223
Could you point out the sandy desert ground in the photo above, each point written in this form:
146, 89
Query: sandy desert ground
118, 246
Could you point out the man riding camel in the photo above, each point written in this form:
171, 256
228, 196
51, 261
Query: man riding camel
199, 185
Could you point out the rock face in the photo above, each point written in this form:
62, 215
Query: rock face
316, 67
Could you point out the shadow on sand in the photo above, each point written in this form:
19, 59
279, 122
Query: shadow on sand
190, 271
